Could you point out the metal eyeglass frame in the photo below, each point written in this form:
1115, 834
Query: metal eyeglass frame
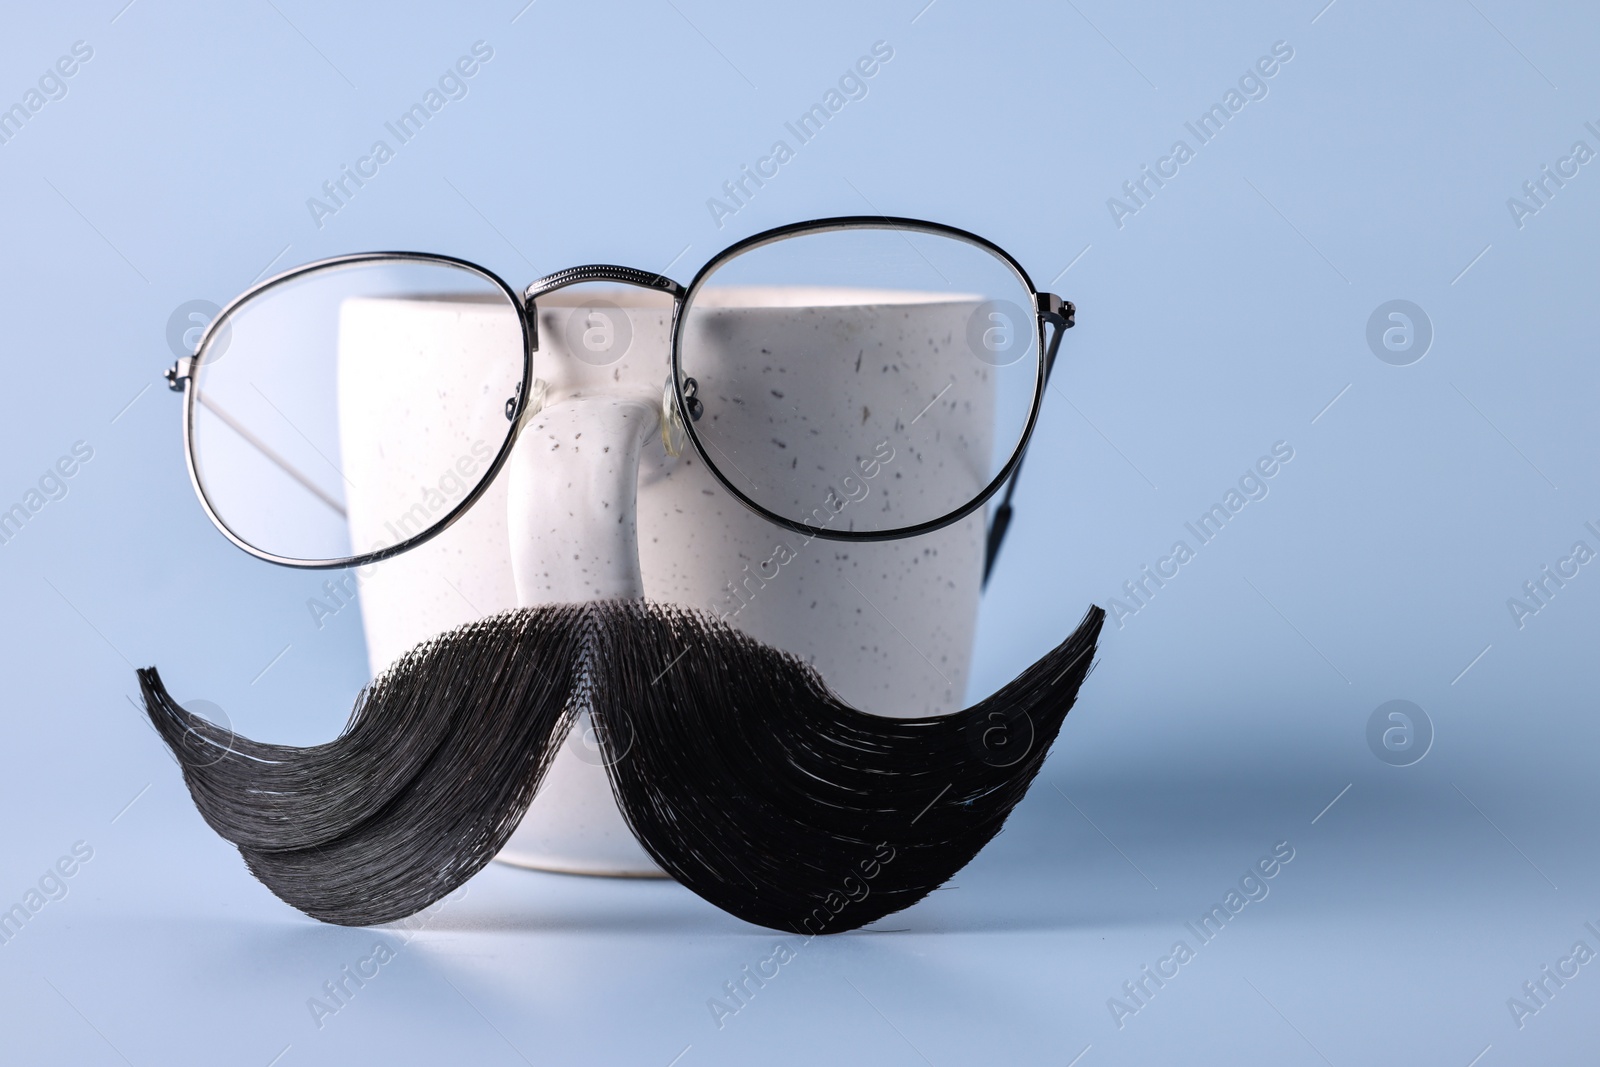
1050, 309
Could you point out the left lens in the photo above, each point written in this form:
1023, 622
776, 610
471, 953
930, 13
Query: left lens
864, 378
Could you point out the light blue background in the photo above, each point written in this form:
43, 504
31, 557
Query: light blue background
1221, 318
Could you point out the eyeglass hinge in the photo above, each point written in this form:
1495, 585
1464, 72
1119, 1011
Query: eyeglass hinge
1052, 305
178, 373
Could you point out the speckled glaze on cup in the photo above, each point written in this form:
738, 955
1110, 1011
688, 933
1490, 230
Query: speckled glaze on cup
592, 506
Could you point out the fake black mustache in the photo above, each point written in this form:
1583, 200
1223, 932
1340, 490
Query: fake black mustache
735, 767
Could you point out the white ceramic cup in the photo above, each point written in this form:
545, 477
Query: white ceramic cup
591, 506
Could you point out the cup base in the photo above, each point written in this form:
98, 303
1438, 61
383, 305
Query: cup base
574, 825
543, 861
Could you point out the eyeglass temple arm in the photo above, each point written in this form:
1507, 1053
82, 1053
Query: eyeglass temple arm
1058, 313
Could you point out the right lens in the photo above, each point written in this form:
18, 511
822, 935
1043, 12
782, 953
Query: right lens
861, 377
355, 406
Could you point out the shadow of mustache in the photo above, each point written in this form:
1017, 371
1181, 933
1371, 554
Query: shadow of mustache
735, 767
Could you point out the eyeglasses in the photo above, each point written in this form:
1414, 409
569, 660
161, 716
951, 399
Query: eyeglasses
854, 379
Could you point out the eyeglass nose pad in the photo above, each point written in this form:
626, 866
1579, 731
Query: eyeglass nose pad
571, 502
673, 433
537, 392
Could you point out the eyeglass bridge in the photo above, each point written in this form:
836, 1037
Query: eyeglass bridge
592, 272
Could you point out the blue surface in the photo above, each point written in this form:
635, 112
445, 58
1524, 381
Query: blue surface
1228, 313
